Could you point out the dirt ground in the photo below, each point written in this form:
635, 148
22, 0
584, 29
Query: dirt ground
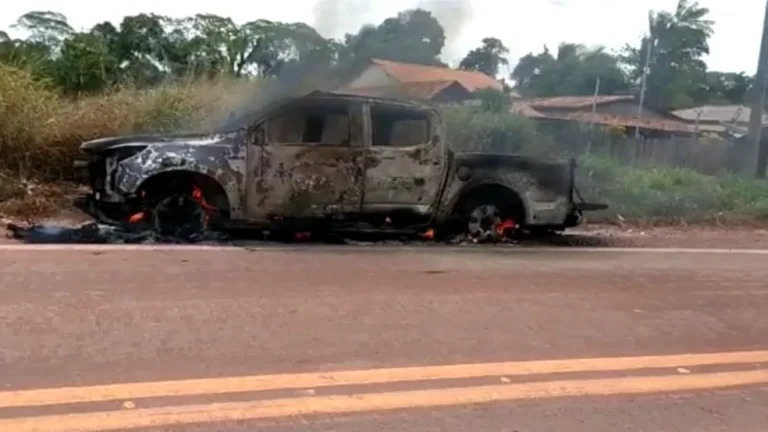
735, 237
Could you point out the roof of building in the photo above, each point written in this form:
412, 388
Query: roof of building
525, 110
716, 113
667, 125
622, 120
573, 102
410, 73
414, 90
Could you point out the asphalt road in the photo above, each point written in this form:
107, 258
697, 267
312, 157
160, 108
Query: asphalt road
390, 339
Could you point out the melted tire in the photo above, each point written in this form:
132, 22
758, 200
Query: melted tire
179, 216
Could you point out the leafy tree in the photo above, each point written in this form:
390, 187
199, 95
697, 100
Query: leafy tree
723, 88
492, 100
487, 58
137, 46
678, 42
573, 71
85, 64
413, 36
45, 27
146, 49
47, 31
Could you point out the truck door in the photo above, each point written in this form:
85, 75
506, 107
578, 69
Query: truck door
307, 161
404, 159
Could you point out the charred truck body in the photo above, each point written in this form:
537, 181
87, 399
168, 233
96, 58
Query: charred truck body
333, 159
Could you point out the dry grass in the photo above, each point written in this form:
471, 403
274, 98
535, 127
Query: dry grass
32, 200
40, 131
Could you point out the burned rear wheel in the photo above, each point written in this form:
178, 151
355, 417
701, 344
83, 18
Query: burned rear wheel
482, 222
487, 223
488, 213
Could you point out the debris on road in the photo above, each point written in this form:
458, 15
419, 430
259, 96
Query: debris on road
140, 231
95, 233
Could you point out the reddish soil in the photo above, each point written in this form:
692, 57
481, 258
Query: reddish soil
738, 237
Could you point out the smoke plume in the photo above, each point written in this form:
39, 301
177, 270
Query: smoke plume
454, 16
333, 18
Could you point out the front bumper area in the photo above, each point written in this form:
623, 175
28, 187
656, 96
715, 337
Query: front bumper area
105, 211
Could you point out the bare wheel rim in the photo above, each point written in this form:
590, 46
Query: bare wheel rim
483, 221
179, 216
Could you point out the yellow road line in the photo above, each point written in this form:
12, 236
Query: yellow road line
373, 402
210, 386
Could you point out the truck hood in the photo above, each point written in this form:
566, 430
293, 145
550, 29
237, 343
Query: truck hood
110, 143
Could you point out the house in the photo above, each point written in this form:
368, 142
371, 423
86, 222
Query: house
613, 110
720, 119
377, 77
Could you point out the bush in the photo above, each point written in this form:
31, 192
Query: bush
670, 194
40, 130
475, 130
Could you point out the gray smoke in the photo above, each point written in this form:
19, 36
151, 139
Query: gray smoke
454, 16
333, 18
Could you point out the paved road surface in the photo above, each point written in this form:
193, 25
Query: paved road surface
364, 339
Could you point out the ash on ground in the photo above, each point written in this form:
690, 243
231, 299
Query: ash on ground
97, 233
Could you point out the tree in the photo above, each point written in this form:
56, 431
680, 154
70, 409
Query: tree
723, 88
487, 58
678, 42
413, 36
47, 31
45, 27
85, 64
574, 71
492, 100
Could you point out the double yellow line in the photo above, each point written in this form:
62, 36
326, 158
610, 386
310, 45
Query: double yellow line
376, 401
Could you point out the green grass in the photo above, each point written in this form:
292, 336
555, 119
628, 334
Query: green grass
670, 194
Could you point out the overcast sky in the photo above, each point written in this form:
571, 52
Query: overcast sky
523, 26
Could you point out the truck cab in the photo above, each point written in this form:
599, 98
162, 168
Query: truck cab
335, 156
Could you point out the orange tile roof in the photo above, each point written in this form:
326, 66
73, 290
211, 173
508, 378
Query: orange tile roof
415, 90
410, 73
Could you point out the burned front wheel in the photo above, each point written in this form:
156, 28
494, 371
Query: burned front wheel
179, 216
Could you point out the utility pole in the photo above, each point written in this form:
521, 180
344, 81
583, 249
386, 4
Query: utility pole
649, 46
594, 96
755, 156
594, 112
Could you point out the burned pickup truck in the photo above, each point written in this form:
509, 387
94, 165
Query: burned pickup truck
334, 161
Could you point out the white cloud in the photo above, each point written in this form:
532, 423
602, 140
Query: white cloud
522, 25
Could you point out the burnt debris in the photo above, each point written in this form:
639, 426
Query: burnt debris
95, 233
135, 233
